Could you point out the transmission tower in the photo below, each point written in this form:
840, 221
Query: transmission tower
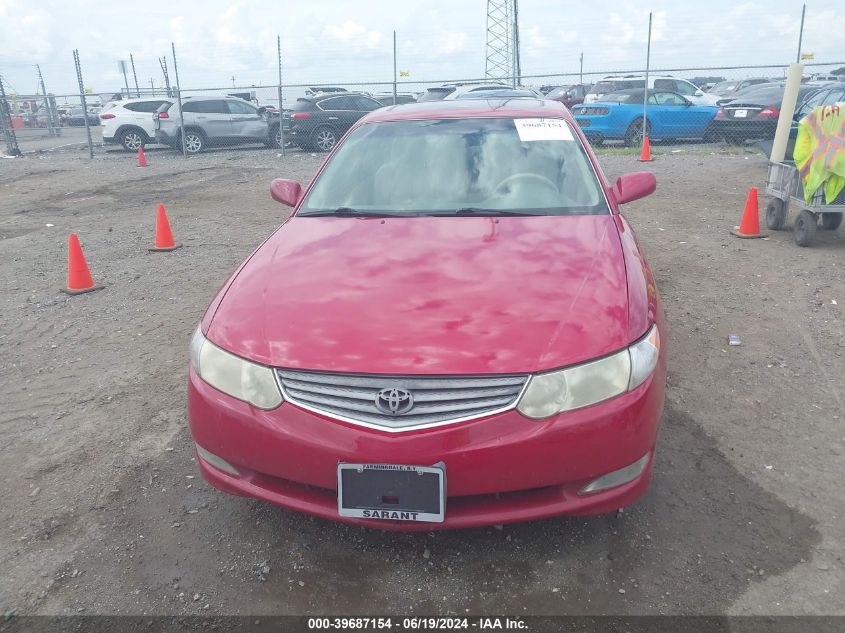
502, 62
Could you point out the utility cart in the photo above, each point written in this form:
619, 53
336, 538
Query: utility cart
783, 183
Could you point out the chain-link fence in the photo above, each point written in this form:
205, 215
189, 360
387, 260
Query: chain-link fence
732, 105
728, 105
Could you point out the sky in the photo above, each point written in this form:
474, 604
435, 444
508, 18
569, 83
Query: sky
340, 41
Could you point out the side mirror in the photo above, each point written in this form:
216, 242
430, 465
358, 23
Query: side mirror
288, 192
633, 186
699, 93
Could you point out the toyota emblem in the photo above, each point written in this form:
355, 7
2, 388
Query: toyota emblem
394, 401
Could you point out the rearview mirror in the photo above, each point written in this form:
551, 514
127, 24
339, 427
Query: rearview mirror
633, 186
287, 192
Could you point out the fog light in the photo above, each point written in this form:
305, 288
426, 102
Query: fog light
217, 462
617, 477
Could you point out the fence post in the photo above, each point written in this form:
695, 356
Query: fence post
8, 131
84, 104
645, 93
281, 108
163, 63
135, 75
179, 99
49, 105
394, 67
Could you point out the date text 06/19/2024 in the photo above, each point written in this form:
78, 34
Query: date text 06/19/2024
418, 623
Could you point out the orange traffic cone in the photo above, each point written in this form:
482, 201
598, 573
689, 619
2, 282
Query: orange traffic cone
79, 278
164, 236
645, 154
749, 226
142, 158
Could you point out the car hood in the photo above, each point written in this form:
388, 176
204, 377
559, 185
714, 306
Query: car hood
426, 295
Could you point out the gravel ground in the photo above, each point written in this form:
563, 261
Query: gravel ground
105, 513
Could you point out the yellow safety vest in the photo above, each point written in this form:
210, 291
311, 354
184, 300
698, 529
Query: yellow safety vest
820, 151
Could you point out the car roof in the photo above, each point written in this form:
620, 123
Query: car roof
142, 100
471, 108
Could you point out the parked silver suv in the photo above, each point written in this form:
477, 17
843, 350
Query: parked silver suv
216, 121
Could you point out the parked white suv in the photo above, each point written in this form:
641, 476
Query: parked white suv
658, 82
130, 122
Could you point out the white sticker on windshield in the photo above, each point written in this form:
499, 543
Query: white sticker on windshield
543, 130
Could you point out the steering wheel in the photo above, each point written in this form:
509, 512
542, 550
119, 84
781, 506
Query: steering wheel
525, 176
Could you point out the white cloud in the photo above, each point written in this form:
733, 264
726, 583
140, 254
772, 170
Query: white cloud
353, 34
335, 40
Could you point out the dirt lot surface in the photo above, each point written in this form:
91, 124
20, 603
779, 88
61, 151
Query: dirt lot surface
104, 510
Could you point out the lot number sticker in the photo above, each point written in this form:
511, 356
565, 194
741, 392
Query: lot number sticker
542, 130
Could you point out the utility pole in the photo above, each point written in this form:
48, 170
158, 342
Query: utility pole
135, 75
498, 61
801, 33
152, 87
233, 81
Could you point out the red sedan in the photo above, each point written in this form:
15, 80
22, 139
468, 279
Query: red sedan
455, 327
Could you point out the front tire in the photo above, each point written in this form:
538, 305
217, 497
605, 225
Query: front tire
133, 139
804, 231
324, 139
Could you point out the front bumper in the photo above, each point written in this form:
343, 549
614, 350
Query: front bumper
500, 469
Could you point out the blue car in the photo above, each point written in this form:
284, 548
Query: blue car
619, 116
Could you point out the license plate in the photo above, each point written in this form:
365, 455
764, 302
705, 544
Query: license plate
392, 492
740, 114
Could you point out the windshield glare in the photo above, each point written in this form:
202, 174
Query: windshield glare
443, 165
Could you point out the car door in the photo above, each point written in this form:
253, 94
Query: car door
362, 105
675, 117
213, 118
247, 123
339, 112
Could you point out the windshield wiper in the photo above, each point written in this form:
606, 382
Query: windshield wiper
482, 211
357, 213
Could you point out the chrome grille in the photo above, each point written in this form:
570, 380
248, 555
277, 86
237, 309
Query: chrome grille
437, 400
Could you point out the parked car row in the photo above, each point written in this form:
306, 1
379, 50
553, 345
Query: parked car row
610, 109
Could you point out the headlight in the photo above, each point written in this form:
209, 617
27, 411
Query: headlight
583, 385
233, 375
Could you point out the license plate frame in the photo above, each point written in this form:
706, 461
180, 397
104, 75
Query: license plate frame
740, 114
400, 492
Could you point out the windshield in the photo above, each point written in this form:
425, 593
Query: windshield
624, 97
724, 87
446, 166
